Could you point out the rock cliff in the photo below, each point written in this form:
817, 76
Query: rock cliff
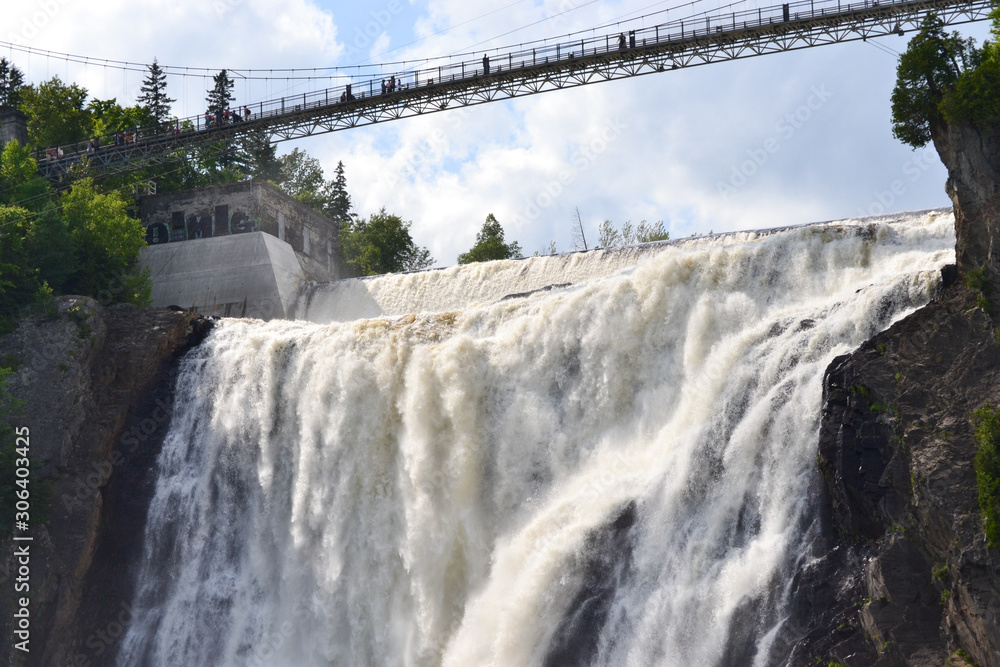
97, 386
903, 574
908, 578
972, 156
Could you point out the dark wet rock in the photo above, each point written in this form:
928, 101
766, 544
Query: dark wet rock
607, 561
906, 577
97, 384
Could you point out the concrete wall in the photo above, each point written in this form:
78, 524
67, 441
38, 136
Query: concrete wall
13, 125
241, 208
250, 274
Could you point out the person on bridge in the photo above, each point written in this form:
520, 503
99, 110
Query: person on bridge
486, 65
246, 113
621, 42
383, 86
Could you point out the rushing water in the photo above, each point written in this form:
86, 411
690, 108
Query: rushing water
618, 472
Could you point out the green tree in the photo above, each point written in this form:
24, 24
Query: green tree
51, 250
20, 182
301, 176
490, 244
11, 83
106, 243
108, 117
18, 280
257, 156
154, 95
976, 97
927, 73
644, 232
57, 113
338, 201
221, 95
381, 244
987, 466
607, 235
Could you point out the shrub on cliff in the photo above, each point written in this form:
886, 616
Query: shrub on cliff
943, 78
987, 419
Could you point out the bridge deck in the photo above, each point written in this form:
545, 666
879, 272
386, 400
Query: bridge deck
527, 71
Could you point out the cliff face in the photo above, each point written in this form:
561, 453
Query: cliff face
972, 156
97, 386
903, 574
916, 582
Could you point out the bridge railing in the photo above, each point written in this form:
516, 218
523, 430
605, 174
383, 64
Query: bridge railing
352, 89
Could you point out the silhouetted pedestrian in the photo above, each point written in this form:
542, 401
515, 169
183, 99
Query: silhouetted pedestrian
486, 65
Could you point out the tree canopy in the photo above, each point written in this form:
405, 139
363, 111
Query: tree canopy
11, 83
944, 78
57, 113
490, 244
79, 242
381, 244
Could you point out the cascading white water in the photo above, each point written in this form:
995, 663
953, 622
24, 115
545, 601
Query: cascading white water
621, 472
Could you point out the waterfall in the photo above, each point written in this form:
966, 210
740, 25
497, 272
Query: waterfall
616, 472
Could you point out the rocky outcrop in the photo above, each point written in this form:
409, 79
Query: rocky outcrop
97, 386
907, 577
972, 156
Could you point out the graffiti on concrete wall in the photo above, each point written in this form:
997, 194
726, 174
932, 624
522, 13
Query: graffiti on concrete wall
201, 224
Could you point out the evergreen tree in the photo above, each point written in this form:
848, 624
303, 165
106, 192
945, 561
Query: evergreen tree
221, 94
338, 201
154, 96
490, 244
257, 157
928, 71
11, 82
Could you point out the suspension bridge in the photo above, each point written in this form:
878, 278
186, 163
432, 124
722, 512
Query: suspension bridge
580, 59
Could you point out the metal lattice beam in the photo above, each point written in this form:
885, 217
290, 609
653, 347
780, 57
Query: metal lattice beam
669, 46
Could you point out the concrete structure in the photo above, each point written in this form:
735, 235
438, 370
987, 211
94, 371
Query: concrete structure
244, 275
240, 249
13, 125
239, 208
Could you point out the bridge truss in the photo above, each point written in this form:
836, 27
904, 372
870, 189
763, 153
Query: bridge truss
689, 42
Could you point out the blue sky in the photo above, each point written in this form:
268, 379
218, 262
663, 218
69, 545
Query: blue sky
811, 128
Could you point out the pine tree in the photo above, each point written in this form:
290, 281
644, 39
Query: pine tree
490, 244
221, 94
154, 96
338, 200
11, 82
